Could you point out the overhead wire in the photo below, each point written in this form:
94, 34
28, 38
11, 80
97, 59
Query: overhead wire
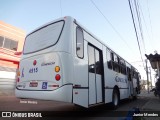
139, 23
134, 24
143, 18
111, 24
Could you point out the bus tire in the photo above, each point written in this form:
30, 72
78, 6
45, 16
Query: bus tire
115, 99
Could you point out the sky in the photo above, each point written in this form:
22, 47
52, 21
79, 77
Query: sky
115, 27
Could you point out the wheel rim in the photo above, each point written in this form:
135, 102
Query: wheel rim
115, 99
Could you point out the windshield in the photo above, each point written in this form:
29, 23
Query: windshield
44, 37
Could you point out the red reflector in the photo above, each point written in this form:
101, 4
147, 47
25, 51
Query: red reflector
55, 85
34, 62
57, 77
18, 79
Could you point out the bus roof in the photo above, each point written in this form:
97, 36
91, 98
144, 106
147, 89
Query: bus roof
84, 28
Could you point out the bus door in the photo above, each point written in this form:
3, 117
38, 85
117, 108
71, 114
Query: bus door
130, 81
95, 75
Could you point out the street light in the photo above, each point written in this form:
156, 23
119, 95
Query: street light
155, 62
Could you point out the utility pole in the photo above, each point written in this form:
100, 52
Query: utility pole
147, 75
150, 76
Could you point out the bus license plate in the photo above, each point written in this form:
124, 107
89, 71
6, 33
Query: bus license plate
33, 84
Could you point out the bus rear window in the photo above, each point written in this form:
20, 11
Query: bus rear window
43, 38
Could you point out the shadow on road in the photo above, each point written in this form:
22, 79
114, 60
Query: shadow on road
61, 110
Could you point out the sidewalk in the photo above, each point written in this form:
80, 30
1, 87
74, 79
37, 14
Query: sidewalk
153, 105
154, 102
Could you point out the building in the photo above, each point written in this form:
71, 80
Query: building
11, 41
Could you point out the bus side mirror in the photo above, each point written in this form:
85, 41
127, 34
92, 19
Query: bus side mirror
17, 53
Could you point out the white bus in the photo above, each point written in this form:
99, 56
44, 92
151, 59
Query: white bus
63, 61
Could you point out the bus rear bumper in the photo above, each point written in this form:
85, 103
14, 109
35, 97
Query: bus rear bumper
63, 93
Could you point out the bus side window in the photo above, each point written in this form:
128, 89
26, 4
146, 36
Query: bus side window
129, 73
112, 56
116, 66
79, 42
122, 66
109, 60
91, 59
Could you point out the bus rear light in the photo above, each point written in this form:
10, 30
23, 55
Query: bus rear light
57, 77
18, 79
57, 69
34, 62
18, 73
53, 85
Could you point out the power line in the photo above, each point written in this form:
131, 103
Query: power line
146, 26
136, 31
110, 24
139, 22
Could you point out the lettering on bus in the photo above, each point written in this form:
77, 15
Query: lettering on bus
33, 70
49, 63
118, 79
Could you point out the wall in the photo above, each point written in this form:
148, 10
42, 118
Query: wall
8, 60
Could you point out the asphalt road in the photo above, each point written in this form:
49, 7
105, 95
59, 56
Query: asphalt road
70, 111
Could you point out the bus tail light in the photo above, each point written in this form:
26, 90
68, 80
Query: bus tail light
57, 69
57, 77
18, 73
55, 86
18, 79
34, 62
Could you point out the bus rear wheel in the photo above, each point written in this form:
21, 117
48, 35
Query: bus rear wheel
115, 99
